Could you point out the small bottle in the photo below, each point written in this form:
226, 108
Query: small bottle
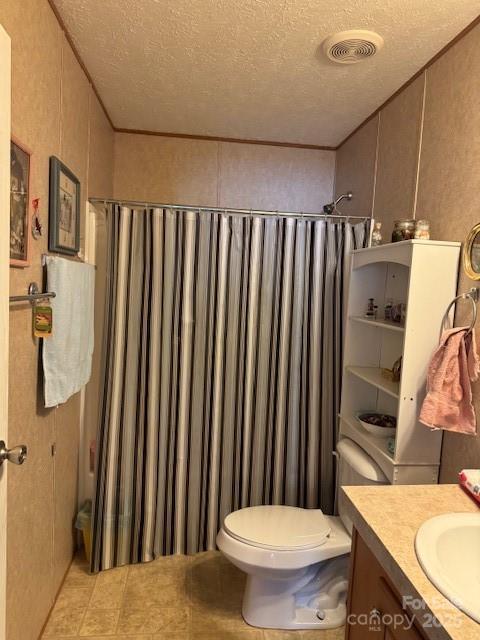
370, 308
377, 234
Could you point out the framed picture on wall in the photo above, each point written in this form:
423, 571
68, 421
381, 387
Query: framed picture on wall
64, 209
19, 200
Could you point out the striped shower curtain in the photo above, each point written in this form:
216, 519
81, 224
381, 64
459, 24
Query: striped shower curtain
222, 357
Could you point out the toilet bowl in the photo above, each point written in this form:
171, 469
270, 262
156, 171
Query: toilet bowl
296, 560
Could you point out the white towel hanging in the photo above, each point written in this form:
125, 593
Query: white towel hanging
67, 355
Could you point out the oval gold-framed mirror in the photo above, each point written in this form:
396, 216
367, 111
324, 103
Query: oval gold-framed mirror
471, 253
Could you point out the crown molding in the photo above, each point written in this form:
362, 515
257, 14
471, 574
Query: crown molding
416, 75
188, 136
270, 143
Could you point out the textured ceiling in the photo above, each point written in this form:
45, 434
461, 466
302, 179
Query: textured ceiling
252, 68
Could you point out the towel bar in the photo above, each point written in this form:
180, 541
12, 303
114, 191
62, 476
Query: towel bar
33, 294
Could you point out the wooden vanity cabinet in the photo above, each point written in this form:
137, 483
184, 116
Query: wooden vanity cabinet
374, 607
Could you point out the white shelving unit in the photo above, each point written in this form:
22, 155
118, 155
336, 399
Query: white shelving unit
423, 275
384, 324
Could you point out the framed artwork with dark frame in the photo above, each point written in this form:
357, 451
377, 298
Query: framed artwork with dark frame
64, 209
19, 204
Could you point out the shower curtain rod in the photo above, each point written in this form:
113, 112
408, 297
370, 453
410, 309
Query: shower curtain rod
245, 212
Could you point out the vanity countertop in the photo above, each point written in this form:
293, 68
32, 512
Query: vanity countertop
387, 518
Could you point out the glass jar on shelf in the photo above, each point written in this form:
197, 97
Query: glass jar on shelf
403, 230
377, 234
422, 230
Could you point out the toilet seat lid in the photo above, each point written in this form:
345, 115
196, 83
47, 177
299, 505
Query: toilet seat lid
278, 527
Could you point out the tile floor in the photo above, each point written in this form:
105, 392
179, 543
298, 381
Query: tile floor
175, 598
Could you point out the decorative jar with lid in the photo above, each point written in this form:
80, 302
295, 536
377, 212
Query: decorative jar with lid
422, 230
403, 230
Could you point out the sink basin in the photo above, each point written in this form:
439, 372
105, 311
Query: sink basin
448, 550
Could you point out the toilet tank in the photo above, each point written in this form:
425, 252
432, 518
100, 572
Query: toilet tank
355, 468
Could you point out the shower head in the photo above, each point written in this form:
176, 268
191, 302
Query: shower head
331, 207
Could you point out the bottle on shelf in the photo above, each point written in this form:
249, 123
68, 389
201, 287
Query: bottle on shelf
377, 234
388, 309
371, 309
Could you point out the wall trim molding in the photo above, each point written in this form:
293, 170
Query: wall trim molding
169, 134
419, 147
270, 143
191, 136
68, 38
416, 75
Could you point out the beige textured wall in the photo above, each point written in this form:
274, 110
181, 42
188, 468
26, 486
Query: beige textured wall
223, 174
54, 112
449, 184
355, 170
445, 174
398, 152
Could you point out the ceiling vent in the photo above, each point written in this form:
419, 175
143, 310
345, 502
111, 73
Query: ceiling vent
349, 47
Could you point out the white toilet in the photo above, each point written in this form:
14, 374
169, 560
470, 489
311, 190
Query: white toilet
296, 559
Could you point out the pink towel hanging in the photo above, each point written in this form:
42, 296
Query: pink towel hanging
454, 365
